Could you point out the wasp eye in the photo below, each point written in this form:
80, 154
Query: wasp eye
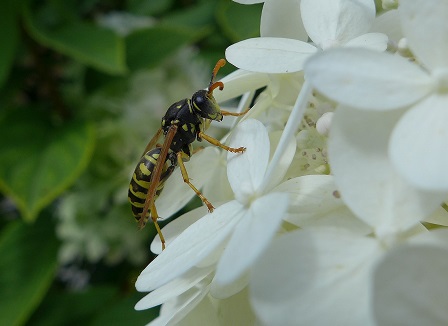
199, 100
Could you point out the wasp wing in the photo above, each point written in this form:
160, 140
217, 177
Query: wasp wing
157, 172
153, 142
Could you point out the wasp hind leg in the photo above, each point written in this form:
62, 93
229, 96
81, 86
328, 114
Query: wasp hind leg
186, 178
154, 216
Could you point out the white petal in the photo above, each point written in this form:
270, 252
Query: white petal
240, 82
333, 22
246, 170
388, 23
315, 201
439, 217
410, 287
367, 79
372, 41
176, 193
205, 310
251, 236
172, 230
281, 18
174, 311
418, 147
285, 160
365, 177
318, 277
221, 291
174, 288
248, 2
236, 310
425, 27
272, 55
219, 189
189, 248
435, 237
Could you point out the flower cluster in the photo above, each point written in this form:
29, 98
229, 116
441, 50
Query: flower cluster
334, 214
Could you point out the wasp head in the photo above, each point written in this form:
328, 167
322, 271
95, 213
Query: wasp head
205, 105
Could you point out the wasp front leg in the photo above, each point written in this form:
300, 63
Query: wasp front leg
216, 142
186, 178
234, 114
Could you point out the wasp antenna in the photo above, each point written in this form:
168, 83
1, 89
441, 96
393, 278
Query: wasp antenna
219, 85
213, 85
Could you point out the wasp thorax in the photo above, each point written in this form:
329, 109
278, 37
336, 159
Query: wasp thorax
204, 104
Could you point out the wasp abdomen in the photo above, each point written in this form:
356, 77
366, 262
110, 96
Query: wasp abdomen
141, 181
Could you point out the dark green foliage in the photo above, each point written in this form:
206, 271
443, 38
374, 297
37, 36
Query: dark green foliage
66, 144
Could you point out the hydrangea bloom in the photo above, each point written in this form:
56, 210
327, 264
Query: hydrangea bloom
378, 82
290, 245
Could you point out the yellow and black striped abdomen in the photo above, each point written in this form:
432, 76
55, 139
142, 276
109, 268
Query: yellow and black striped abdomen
140, 182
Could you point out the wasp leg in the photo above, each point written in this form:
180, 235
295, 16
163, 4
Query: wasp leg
186, 178
216, 142
234, 114
155, 217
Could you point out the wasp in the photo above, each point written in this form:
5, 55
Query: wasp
184, 122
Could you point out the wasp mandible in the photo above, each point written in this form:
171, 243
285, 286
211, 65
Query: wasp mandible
184, 122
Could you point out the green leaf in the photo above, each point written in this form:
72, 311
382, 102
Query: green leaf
146, 48
239, 22
150, 8
73, 308
8, 38
198, 16
122, 312
92, 45
38, 161
27, 266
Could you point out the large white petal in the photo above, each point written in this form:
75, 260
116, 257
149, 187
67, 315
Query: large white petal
410, 287
248, 2
251, 236
240, 82
246, 170
435, 237
174, 288
315, 201
282, 165
189, 248
368, 183
367, 79
372, 41
281, 18
317, 277
419, 143
425, 25
175, 310
388, 23
172, 230
225, 291
176, 192
439, 217
335, 22
236, 310
272, 55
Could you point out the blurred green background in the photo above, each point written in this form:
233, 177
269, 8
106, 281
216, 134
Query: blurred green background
83, 86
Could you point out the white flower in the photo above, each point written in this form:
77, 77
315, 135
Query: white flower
410, 283
346, 23
329, 23
377, 82
332, 269
232, 237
